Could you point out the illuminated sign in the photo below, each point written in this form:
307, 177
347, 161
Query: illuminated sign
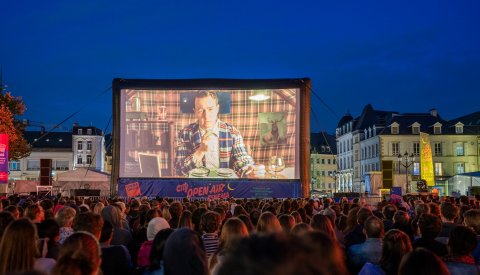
426, 160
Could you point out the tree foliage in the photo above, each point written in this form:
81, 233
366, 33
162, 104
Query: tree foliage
10, 107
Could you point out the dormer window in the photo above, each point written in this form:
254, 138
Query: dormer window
89, 132
459, 128
370, 132
415, 128
80, 131
374, 130
437, 129
365, 133
394, 129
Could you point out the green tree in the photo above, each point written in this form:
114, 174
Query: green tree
10, 108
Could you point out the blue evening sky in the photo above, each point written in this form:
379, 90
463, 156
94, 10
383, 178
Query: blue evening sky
407, 56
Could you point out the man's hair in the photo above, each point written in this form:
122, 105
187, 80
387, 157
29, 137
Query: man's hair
374, 227
472, 219
422, 261
388, 211
430, 226
462, 241
449, 211
176, 209
210, 222
203, 94
363, 214
89, 222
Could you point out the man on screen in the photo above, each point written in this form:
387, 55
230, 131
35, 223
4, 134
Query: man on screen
210, 142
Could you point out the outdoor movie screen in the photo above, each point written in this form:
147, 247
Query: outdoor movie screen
210, 133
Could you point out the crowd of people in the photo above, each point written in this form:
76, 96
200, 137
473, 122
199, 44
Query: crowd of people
417, 235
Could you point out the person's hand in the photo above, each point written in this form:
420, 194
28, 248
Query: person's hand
246, 171
203, 148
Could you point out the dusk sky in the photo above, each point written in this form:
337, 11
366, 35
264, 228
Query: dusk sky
405, 56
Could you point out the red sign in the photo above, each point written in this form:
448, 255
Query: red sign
133, 189
3, 158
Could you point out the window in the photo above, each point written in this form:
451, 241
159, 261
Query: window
415, 130
437, 129
330, 186
334, 161
80, 131
89, 145
460, 167
89, 132
394, 129
329, 161
459, 128
79, 160
89, 159
416, 148
395, 149
323, 173
80, 145
61, 165
317, 173
416, 168
376, 150
438, 149
438, 169
317, 161
14, 165
323, 161
460, 149
33, 165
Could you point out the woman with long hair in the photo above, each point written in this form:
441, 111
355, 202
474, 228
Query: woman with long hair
18, 249
268, 223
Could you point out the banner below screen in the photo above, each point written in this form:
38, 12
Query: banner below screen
208, 189
3, 158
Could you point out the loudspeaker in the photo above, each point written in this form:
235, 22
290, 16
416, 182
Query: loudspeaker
85, 192
387, 173
46, 172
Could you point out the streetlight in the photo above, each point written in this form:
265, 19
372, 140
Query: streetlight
406, 161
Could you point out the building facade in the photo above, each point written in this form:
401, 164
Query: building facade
323, 164
385, 136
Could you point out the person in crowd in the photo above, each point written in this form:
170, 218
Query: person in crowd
35, 213
396, 244
14, 210
97, 209
88, 222
232, 229
323, 224
80, 254
186, 220
210, 142
422, 261
371, 249
420, 209
401, 221
176, 210
357, 236
5, 219
287, 222
116, 259
49, 234
154, 226
351, 219
300, 228
461, 243
472, 220
297, 217
448, 213
197, 218
156, 254
248, 222
121, 236
193, 261
268, 223
210, 227
47, 206
429, 226
19, 251
64, 218
388, 213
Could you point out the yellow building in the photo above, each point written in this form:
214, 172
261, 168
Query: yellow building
323, 164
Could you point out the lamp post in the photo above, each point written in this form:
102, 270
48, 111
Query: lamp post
406, 161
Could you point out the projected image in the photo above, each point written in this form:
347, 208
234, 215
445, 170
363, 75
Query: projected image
227, 134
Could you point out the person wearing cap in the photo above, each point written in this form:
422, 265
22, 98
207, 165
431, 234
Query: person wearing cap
154, 226
210, 142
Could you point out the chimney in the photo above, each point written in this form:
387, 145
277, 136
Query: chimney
434, 112
75, 124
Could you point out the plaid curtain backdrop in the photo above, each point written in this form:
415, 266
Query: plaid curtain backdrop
244, 115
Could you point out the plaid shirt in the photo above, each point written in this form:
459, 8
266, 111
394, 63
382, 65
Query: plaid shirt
232, 152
